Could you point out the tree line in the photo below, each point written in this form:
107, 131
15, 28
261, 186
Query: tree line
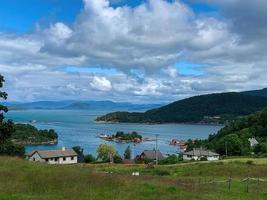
233, 139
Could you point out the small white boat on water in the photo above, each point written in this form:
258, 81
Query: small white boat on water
104, 136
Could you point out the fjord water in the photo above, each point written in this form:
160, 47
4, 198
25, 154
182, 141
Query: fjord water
78, 128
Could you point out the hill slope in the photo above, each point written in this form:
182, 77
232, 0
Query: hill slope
233, 138
194, 109
262, 93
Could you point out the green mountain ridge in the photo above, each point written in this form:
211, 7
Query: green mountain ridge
233, 139
197, 109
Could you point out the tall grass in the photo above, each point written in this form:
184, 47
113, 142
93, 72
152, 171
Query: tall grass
23, 180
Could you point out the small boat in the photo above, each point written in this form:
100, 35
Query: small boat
103, 136
33, 121
177, 142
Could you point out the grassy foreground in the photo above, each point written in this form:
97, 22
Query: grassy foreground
23, 180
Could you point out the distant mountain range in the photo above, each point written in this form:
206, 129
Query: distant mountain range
79, 105
198, 109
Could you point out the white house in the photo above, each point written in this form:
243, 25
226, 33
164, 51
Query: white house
253, 142
197, 154
63, 156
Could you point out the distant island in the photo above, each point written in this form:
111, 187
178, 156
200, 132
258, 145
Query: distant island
26, 134
207, 109
122, 137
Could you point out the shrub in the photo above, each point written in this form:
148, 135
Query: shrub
203, 158
138, 161
117, 159
250, 162
89, 158
160, 172
172, 159
9, 148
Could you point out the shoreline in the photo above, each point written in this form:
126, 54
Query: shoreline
51, 142
158, 123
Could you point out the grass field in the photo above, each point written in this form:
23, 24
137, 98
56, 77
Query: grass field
23, 180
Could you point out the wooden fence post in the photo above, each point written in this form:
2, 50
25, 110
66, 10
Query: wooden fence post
247, 184
229, 183
258, 185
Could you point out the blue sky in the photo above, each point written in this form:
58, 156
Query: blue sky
22, 17
160, 51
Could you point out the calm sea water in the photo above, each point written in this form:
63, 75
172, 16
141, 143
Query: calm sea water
77, 128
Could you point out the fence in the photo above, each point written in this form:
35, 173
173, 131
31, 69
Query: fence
229, 183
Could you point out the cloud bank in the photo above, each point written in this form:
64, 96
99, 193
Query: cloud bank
145, 44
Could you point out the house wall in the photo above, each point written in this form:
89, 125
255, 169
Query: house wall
209, 158
68, 160
186, 157
36, 158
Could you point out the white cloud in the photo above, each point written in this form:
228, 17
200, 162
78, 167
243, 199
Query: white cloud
149, 38
101, 83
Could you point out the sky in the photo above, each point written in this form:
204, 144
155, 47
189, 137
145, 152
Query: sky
140, 51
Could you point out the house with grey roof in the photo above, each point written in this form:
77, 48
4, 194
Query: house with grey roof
151, 155
197, 154
62, 156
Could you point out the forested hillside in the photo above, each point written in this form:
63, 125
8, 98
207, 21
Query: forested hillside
28, 134
233, 138
204, 108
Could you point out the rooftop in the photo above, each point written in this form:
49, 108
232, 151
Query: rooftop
200, 152
151, 154
54, 153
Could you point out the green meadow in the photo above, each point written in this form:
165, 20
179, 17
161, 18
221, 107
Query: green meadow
23, 180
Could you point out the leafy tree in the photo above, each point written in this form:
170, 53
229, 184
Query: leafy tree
89, 158
106, 152
230, 144
127, 153
117, 158
6, 129
171, 159
261, 148
78, 149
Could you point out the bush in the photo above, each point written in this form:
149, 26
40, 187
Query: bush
137, 161
160, 172
172, 159
261, 148
117, 159
180, 158
89, 158
146, 161
250, 162
9, 148
203, 158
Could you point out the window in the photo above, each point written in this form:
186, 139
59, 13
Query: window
72, 158
46, 159
56, 159
33, 159
64, 158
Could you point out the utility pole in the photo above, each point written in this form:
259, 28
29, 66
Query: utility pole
226, 150
133, 156
157, 149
